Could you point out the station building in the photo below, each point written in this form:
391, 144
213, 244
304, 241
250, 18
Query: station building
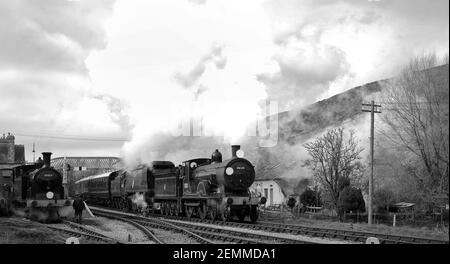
10, 153
275, 190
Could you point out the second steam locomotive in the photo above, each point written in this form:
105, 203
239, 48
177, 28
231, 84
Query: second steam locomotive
204, 187
35, 189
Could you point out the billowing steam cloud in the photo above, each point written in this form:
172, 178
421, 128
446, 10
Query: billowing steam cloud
304, 74
118, 110
198, 2
294, 52
190, 78
139, 200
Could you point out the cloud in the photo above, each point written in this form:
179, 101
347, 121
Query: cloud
215, 56
44, 81
199, 91
102, 76
303, 74
51, 35
326, 47
198, 2
173, 148
118, 110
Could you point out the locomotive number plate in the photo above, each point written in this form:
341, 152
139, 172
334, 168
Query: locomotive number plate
48, 175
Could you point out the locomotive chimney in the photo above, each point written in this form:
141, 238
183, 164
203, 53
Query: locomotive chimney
47, 156
234, 149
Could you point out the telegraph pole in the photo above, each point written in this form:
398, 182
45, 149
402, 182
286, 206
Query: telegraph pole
373, 109
34, 158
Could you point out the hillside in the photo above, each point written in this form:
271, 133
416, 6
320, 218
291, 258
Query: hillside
299, 125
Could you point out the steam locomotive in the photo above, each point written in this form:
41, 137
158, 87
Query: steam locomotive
35, 189
203, 187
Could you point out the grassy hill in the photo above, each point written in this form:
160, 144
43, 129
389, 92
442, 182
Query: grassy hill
300, 125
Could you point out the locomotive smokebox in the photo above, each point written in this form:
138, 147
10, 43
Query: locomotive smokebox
234, 149
47, 156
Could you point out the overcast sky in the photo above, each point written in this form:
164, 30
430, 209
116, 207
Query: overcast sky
112, 70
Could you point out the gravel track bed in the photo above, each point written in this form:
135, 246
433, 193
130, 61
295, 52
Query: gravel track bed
257, 232
117, 230
170, 237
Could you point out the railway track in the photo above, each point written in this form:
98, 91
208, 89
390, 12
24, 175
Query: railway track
359, 236
148, 233
81, 231
148, 222
318, 232
201, 232
246, 236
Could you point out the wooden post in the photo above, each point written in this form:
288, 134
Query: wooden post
372, 124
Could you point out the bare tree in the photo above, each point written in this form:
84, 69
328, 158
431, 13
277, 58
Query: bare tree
334, 159
417, 120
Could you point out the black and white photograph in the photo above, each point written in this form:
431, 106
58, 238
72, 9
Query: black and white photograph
224, 130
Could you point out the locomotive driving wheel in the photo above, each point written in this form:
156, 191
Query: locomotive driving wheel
172, 209
163, 208
254, 213
178, 209
201, 211
212, 212
189, 211
114, 204
226, 214
167, 208
123, 204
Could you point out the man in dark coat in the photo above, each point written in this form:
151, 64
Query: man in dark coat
78, 206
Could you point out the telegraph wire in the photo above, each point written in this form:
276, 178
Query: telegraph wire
76, 138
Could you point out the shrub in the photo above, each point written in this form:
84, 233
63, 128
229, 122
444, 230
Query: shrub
291, 202
351, 199
308, 198
383, 199
343, 182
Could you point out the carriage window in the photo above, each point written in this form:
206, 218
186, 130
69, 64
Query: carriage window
6, 173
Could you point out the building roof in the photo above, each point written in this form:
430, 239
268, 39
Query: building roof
285, 186
90, 166
103, 175
88, 162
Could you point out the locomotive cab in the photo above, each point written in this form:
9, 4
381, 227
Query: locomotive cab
187, 174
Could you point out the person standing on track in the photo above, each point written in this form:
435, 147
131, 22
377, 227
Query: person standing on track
78, 206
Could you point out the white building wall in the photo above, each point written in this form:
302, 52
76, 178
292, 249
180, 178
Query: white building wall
269, 189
